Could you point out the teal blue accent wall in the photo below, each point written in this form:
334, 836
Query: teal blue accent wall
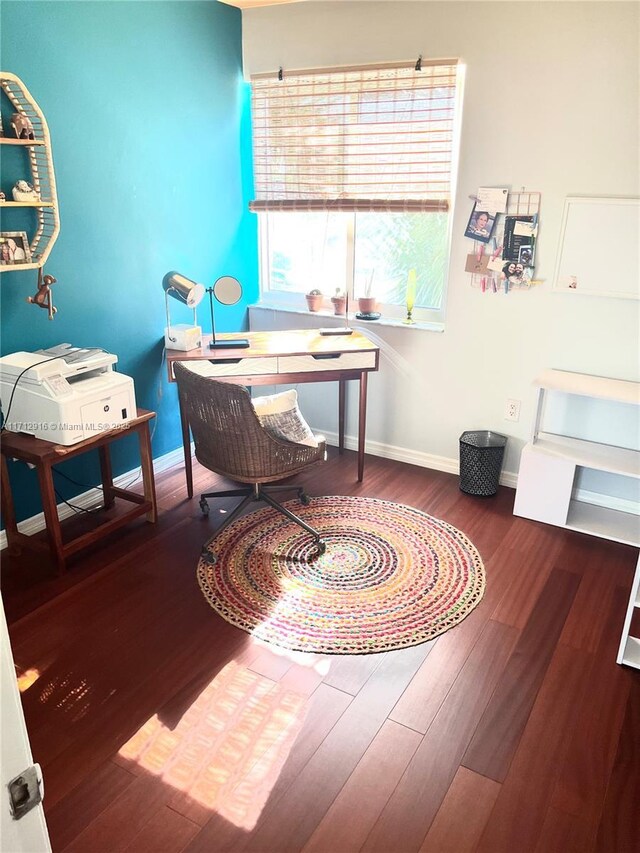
150, 129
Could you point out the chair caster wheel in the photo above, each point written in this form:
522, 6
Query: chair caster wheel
204, 506
209, 557
304, 498
322, 547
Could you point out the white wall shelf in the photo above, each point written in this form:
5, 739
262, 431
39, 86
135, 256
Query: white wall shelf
5, 141
550, 462
629, 652
26, 204
38, 153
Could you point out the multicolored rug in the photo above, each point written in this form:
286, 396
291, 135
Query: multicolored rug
391, 576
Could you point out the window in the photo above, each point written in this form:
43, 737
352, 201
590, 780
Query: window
353, 172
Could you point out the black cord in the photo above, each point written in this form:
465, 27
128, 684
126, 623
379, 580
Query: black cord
5, 418
75, 508
75, 482
137, 477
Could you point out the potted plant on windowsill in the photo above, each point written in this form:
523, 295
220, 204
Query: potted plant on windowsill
367, 304
339, 301
314, 300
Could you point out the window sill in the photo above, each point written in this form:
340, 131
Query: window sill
391, 322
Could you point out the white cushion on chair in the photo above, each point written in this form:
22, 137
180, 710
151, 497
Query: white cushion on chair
279, 414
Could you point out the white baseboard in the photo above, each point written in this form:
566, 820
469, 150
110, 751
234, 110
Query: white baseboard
412, 457
92, 497
452, 466
375, 448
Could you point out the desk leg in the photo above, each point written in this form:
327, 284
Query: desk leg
146, 464
186, 444
342, 388
106, 475
48, 496
8, 511
362, 423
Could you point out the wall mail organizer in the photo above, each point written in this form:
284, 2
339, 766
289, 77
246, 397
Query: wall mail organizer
505, 240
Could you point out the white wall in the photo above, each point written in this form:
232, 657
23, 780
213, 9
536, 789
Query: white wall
551, 103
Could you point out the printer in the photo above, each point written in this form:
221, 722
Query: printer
64, 394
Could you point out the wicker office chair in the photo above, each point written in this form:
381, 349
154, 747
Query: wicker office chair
230, 440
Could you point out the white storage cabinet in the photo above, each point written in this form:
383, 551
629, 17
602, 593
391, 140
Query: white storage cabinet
629, 652
549, 463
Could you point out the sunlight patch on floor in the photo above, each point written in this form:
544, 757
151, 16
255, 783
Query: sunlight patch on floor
227, 751
69, 693
27, 678
310, 660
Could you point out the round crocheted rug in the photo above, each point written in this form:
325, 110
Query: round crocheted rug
391, 576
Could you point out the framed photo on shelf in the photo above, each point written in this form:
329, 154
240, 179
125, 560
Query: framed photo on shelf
14, 248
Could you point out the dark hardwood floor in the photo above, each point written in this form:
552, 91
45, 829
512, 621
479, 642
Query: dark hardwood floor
160, 727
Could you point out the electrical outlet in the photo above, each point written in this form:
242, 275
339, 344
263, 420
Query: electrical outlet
512, 410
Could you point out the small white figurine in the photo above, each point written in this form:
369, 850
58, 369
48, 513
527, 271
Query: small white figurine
24, 191
22, 126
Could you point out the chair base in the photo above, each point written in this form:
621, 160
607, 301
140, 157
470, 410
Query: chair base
257, 493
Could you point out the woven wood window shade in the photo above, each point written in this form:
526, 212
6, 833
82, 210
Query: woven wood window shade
355, 139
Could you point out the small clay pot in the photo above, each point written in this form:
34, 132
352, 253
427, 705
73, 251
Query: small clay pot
339, 304
367, 304
314, 301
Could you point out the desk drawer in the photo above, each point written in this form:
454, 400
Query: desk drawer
329, 361
221, 366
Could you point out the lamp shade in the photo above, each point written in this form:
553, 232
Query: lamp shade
183, 289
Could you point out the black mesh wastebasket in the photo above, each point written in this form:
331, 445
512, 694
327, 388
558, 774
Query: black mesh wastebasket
481, 454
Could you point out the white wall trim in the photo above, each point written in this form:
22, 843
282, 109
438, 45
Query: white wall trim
376, 448
92, 497
452, 466
412, 457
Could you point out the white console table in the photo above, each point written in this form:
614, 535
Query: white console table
629, 652
549, 463
547, 474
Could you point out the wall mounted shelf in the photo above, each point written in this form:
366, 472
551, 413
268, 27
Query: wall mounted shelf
26, 204
5, 141
42, 175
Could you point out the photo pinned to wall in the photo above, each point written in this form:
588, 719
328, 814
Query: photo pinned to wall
519, 232
518, 249
525, 255
510, 259
481, 224
516, 273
